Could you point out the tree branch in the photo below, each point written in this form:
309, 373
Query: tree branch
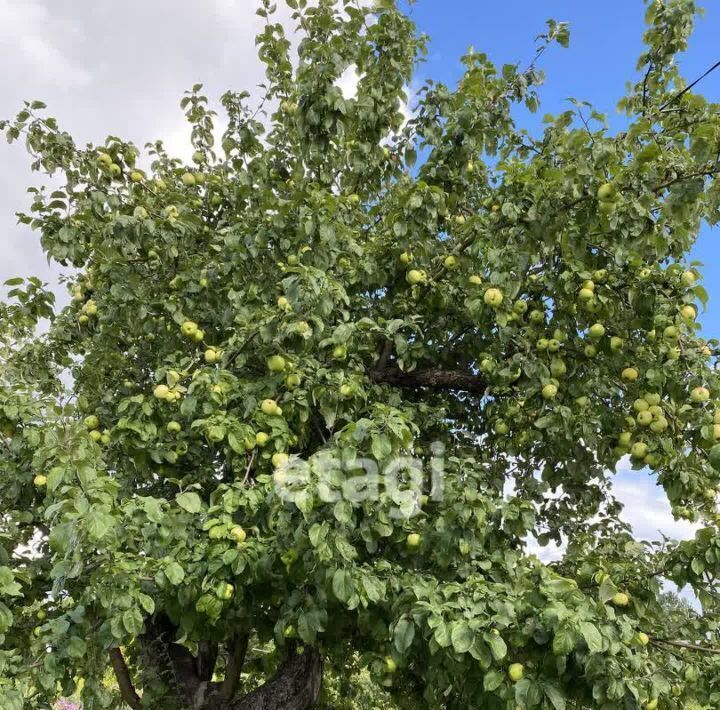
127, 689
234, 666
433, 379
680, 94
686, 645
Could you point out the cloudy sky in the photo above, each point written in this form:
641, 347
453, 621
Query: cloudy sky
108, 67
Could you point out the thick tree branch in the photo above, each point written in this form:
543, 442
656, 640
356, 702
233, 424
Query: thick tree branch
433, 379
295, 686
206, 659
234, 666
122, 674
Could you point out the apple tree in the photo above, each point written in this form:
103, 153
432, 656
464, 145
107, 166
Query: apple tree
317, 391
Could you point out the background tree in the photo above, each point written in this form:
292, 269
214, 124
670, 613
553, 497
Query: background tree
336, 282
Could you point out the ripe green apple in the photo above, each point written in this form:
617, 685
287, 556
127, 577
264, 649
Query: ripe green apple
339, 352
625, 438
558, 367
688, 313
198, 336
487, 365
688, 278
549, 392
280, 460
269, 407
600, 275
639, 450
582, 402
415, 276
414, 540
346, 390
700, 395
40, 481
671, 333
283, 303
226, 591
621, 599
405, 258
161, 392
292, 381
501, 427
238, 534
262, 438
585, 295
189, 328
616, 343
390, 665
41, 615
104, 160
136, 176
188, 179
215, 434
520, 307
211, 356
450, 262
607, 192
537, 317
630, 374
542, 344
174, 427
115, 170
160, 184
590, 351
597, 331
198, 157
645, 418
276, 363
652, 704
92, 422
659, 425
554, 345
516, 672
652, 398
493, 297
96, 435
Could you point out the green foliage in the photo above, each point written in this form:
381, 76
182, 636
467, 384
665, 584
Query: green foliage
295, 235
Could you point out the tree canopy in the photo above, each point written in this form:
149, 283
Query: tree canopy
315, 391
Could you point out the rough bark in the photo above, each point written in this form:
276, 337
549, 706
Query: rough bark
122, 674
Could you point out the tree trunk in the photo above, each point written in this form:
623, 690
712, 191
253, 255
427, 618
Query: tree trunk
295, 686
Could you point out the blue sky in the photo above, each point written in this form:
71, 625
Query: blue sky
605, 42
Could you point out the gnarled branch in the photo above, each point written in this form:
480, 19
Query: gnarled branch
122, 674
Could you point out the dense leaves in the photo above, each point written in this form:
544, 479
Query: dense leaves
200, 452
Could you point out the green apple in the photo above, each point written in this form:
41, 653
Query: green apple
549, 392
104, 160
671, 333
92, 422
160, 184
390, 665
493, 297
652, 704
115, 170
554, 345
41, 615
293, 380
198, 157
280, 460
405, 258
607, 192
161, 391
262, 438
136, 176
699, 395
188, 179
520, 307
215, 434
652, 398
688, 313
516, 672
226, 591
600, 275
630, 374
283, 303
585, 295
645, 418
659, 425
211, 356
590, 351
174, 428
558, 367
537, 317
346, 390
40, 481
639, 450
339, 352
450, 262
688, 278
597, 331
269, 407
96, 435
415, 276
198, 336
621, 599
414, 540
189, 328
616, 343
542, 344
276, 363
501, 427
238, 534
